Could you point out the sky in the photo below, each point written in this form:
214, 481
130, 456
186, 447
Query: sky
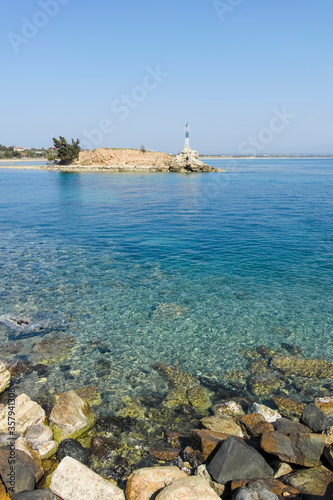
250, 76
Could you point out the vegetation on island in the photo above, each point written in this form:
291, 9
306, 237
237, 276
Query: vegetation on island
11, 152
66, 153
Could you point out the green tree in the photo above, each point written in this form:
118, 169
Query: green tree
67, 153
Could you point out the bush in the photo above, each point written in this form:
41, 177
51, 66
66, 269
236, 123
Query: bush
66, 152
143, 149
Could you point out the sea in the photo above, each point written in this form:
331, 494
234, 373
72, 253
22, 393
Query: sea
105, 275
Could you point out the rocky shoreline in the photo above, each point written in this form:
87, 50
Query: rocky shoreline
210, 442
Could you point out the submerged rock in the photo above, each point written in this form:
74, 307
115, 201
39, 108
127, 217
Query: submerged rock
290, 365
264, 384
74, 481
237, 460
53, 349
25, 327
71, 417
73, 449
198, 397
289, 408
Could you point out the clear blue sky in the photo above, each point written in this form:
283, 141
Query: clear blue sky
227, 73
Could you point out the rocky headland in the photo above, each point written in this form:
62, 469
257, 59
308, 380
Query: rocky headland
132, 160
255, 440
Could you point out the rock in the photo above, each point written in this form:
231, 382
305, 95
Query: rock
191, 488
315, 418
282, 469
3, 492
47, 450
264, 384
175, 438
102, 446
88, 393
310, 481
6, 453
228, 409
71, 417
53, 349
4, 377
188, 161
289, 408
237, 378
237, 460
265, 489
290, 365
27, 414
328, 433
164, 454
74, 481
257, 366
42, 494
37, 435
301, 449
222, 424
22, 444
255, 424
288, 427
25, 473
265, 352
268, 414
325, 404
199, 398
328, 454
194, 457
144, 483
206, 440
73, 449
202, 472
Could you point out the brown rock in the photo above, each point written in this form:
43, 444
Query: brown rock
103, 446
191, 488
222, 424
255, 424
289, 408
238, 483
301, 449
175, 439
290, 365
281, 469
194, 457
165, 454
310, 481
325, 404
275, 486
144, 483
3, 492
206, 440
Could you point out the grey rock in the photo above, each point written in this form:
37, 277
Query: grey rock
42, 494
22, 477
257, 492
73, 449
237, 460
287, 426
315, 418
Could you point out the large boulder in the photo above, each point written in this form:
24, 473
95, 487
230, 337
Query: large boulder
237, 460
27, 414
300, 448
71, 417
4, 377
74, 481
26, 473
222, 424
310, 481
144, 483
255, 424
315, 418
191, 488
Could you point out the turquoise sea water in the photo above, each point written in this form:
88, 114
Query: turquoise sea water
183, 269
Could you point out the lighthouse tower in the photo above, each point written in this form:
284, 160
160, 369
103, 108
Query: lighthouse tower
187, 136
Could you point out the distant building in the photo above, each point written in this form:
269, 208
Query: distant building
20, 150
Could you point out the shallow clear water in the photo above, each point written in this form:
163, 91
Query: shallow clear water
187, 269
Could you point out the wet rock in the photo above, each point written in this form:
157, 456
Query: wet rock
177, 396
255, 424
290, 365
73, 449
25, 327
325, 404
289, 408
315, 418
228, 409
310, 481
115, 424
281, 469
42, 494
206, 440
199, 398
27, 414
202, 472
22, 460
53, 349
164, 454
133, 408
292, 349
74, 481
193, 457
300, 449
237, 460
265, 352
102, 446
237, 378
257, 366
222, 424
71, 417
90, 395
191, 488
264, 384
268, 414
144, 483
4, 376
22, 480
176, 439
146, 462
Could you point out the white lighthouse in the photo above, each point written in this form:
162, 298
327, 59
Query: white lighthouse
187, 136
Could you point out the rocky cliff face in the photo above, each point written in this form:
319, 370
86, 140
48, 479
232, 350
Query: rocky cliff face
188, 161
